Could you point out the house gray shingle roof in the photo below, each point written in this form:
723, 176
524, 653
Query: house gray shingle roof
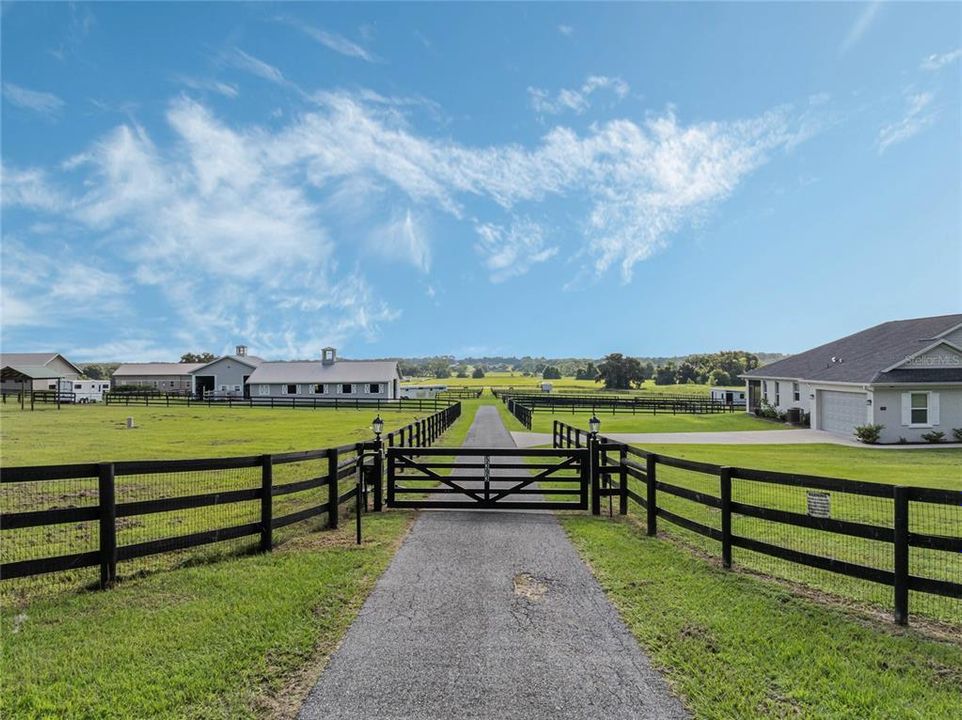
865, 355
156, 368
313, 371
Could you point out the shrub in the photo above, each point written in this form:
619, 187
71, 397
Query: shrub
767, 410
936, 436
868, 434
957, 434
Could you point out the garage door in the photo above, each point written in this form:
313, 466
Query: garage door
840, 412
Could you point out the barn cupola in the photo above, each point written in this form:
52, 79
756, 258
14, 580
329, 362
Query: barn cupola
328, 356
241, 351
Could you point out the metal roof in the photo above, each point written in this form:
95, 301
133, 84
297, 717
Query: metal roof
251, 361
156, 368
314, 371
34, 359
865, 356
28, 372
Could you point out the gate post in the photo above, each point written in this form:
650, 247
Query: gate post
622, 480
390, 478
108, 524
378, 472
595, 475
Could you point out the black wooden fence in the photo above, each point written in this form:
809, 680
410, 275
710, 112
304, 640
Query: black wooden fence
58, 518
905, 538
317, 403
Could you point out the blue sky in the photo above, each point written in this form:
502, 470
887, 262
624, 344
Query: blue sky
560, 180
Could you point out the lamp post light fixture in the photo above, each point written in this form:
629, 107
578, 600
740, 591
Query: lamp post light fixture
594, 425
378, 427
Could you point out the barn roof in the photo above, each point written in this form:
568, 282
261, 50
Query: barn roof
314, 371
156, 368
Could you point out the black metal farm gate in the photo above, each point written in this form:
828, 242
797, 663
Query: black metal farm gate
486, 478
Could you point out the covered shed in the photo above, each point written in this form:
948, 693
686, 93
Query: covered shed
28, 374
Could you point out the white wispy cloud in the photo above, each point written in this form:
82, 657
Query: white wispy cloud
403, 238
860, 26
940, 60
577, 100
337, 43
208, 85
232, 226
28, 188
44, 103
509, 252
245, 62
918, 115
566, 30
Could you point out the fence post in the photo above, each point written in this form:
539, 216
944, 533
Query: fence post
595, 475
267, 503
725, 478
378, 474
332, 461
108, 524
651, 462
901, 566
623, 480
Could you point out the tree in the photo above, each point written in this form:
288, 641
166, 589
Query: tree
462, 374
550, 372
720, 378
665, 375
619, 372
478, 373
686, 373
204, 357
442, 372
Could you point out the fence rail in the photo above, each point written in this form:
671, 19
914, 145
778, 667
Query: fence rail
230, 401
757, 511
69, 517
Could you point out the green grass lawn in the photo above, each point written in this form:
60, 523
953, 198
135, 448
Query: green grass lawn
646, 422
923, 467
240, 638
936, 467
736, 647
214, 635
517, 381
93, 433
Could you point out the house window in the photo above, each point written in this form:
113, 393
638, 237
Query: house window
264, 389
795, 393
223, 388
347, 389
237, 388
920, 408
778, 400
375, 388
319, 389
290, 389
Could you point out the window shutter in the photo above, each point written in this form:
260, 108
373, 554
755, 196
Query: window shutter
933, 408
906, 408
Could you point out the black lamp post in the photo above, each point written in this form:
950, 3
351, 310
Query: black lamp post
378, 427
594, 425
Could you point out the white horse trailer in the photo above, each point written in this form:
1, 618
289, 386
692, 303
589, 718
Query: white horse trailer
85, 391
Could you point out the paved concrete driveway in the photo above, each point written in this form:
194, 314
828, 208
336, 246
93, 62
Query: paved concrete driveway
487, 614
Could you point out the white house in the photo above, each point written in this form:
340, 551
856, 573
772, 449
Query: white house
327, 378
225, 376
905, 375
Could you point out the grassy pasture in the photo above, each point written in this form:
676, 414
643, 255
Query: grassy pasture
95, 433
243, 637
737, 648
520, 382
626, 422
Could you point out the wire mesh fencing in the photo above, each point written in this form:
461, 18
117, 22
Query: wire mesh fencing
872, 544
